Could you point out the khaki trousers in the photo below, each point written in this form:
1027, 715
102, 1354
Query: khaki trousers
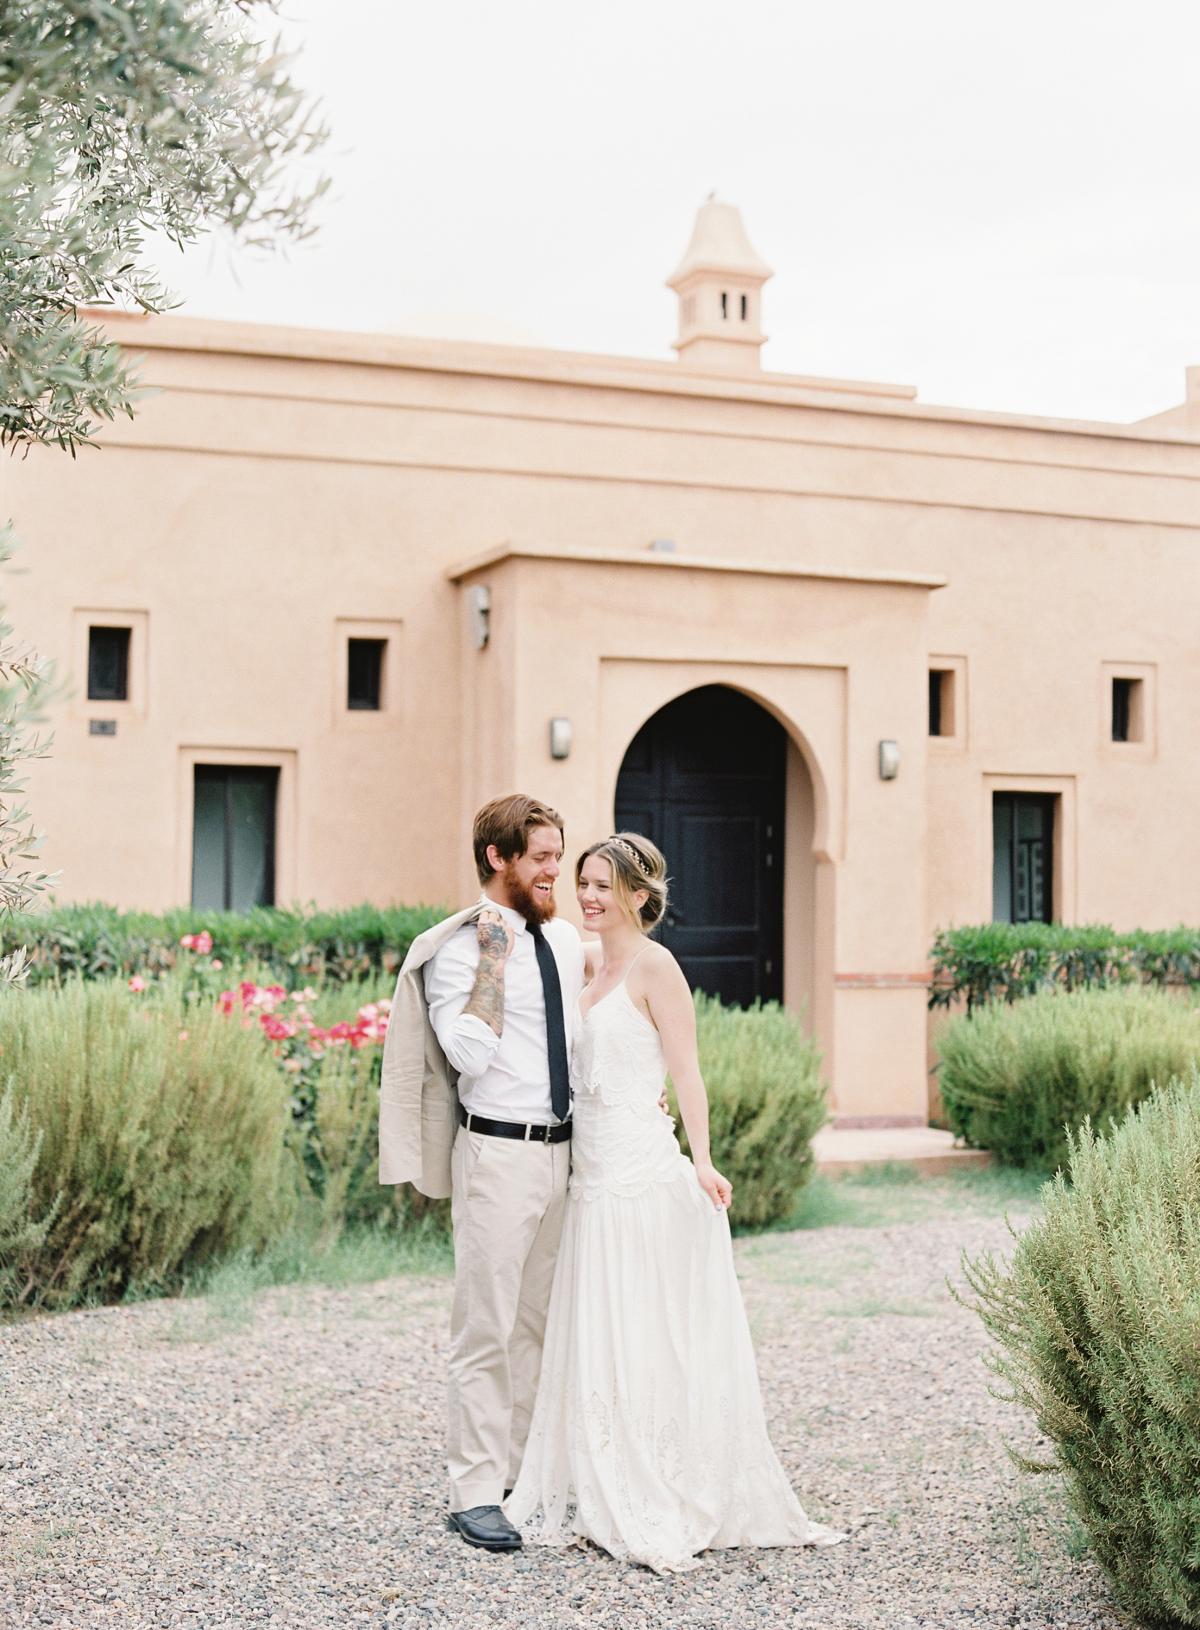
507, 1210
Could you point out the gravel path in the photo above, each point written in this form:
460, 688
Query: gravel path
279, 1462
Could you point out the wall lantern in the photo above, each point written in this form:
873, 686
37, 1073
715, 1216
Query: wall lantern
560, 738
479, 599
889, 760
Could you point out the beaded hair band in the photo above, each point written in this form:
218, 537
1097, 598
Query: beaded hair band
628, 849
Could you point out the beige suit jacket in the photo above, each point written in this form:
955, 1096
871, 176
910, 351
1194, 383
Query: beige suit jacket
418, 1088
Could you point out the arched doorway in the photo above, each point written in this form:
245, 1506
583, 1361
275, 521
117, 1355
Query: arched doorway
706, 778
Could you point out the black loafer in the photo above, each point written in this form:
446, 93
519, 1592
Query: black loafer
487, 1527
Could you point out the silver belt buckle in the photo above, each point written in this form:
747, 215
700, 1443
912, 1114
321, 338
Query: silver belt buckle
528, 1130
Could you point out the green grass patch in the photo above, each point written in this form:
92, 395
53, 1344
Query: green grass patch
221, 1300
891, 1193
358, 1256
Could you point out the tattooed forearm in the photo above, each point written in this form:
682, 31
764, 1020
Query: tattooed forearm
487, 995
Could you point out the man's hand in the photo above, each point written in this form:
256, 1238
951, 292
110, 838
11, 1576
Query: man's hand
496, 938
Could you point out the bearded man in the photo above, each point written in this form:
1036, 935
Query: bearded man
475, 1103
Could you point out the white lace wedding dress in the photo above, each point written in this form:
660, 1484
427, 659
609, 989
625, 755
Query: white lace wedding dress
648, 1434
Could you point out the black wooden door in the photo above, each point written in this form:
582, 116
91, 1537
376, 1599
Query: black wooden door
705, 779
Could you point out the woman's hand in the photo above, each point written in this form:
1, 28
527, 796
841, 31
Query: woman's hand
719, 1189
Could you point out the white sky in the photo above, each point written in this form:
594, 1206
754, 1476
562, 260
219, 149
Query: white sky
998, 203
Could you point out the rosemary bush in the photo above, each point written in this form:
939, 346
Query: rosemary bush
1097, 1321
339, 1134
1014, 1078
153, 1140
766, 1104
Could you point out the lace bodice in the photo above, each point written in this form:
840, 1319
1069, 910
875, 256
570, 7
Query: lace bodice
622, 1141
617, 1056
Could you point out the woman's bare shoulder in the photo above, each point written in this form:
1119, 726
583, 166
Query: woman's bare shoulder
657, 969
591, 960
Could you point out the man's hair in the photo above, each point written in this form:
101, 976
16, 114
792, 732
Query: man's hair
507, 823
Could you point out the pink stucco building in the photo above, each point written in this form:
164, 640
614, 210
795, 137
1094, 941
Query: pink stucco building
863, 667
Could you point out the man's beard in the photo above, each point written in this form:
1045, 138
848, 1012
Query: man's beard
535, 908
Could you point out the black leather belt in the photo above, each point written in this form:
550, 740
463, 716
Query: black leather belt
526, 1133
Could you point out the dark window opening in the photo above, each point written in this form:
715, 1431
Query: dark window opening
364, 685
108, 665
941, 701
233, 837
745, 308
1022, 857
1127, 710
724, 304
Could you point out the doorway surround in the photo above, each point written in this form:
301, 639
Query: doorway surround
837, 656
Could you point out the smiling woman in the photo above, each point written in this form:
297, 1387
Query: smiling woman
626, 874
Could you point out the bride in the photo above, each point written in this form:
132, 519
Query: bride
648, 1434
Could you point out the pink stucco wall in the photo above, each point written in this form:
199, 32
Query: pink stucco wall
285, 488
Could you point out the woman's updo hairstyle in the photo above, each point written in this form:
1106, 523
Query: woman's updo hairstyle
636, 864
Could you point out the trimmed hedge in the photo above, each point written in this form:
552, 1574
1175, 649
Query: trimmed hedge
1097, 1321
1010, 960
1013, 1079
100, 942
766, 1103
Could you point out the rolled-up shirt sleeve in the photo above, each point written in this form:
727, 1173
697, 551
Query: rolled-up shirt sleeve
468, 1041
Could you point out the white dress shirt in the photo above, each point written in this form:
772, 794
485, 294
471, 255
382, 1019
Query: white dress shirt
505, 1077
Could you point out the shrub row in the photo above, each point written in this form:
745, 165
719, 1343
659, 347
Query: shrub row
1096, 1319
100, 942
1011, 960
145, 1133
1013, 1079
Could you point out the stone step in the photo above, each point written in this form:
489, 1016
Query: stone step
932, 1152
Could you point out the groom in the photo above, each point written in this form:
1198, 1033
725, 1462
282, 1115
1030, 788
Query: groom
475, 1103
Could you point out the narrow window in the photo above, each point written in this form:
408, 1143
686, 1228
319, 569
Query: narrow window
745, 307
1127, 710
941, 702
233, 837
1022, 857
724, 304
364, 683
108, 664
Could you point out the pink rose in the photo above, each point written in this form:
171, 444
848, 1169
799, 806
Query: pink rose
202, 942
187, 942
217, 963
137, 982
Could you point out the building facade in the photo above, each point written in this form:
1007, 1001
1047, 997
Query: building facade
863, 667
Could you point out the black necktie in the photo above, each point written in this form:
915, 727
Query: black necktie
556, 1035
